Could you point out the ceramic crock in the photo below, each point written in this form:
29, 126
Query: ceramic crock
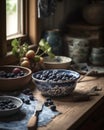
79, 50
97, 56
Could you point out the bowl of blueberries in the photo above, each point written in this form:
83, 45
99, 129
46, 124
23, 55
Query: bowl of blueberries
14, 77
55, 82
9, 105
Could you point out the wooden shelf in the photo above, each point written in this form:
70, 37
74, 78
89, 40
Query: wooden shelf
84, 26
94, 33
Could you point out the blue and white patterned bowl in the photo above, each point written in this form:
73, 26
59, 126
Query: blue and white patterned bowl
55, 82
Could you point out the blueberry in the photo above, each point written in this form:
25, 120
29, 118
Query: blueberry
23, 100
53, 107
38, 76
43, 78
46, 103
48, 99
2, 74
50, 102
50, 74
55, 72
27, 91
12, 75
31, 97
8, 75
27, 101
21, 73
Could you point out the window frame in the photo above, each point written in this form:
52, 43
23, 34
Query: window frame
30, 26
19, 13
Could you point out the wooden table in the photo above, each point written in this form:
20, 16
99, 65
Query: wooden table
75, 113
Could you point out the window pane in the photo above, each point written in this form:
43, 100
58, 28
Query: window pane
13, 17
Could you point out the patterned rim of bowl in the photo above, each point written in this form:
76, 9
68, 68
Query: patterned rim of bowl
59, 70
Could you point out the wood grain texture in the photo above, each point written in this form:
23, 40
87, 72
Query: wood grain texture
74, 113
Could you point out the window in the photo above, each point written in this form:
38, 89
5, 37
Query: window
26, 25
14, 17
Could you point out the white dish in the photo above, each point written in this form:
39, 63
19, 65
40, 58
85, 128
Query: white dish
58, 62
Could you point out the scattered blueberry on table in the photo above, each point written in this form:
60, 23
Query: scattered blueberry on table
49, 103
30, 96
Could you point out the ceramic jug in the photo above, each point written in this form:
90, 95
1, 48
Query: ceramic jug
54, 39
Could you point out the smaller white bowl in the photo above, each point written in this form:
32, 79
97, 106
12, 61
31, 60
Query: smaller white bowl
58, 62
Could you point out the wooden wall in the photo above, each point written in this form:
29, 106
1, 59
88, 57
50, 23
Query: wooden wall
65, 11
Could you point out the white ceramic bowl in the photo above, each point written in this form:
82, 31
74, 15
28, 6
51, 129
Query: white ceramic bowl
58, 62
15, 83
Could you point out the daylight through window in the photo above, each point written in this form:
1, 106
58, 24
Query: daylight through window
14, 21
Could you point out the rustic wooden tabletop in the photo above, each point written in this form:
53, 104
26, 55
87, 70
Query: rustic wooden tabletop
74, 112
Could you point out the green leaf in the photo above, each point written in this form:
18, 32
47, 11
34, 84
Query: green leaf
45, 47
51, 54
42, 42
15, 52
17, 49
48, 49
15, 43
